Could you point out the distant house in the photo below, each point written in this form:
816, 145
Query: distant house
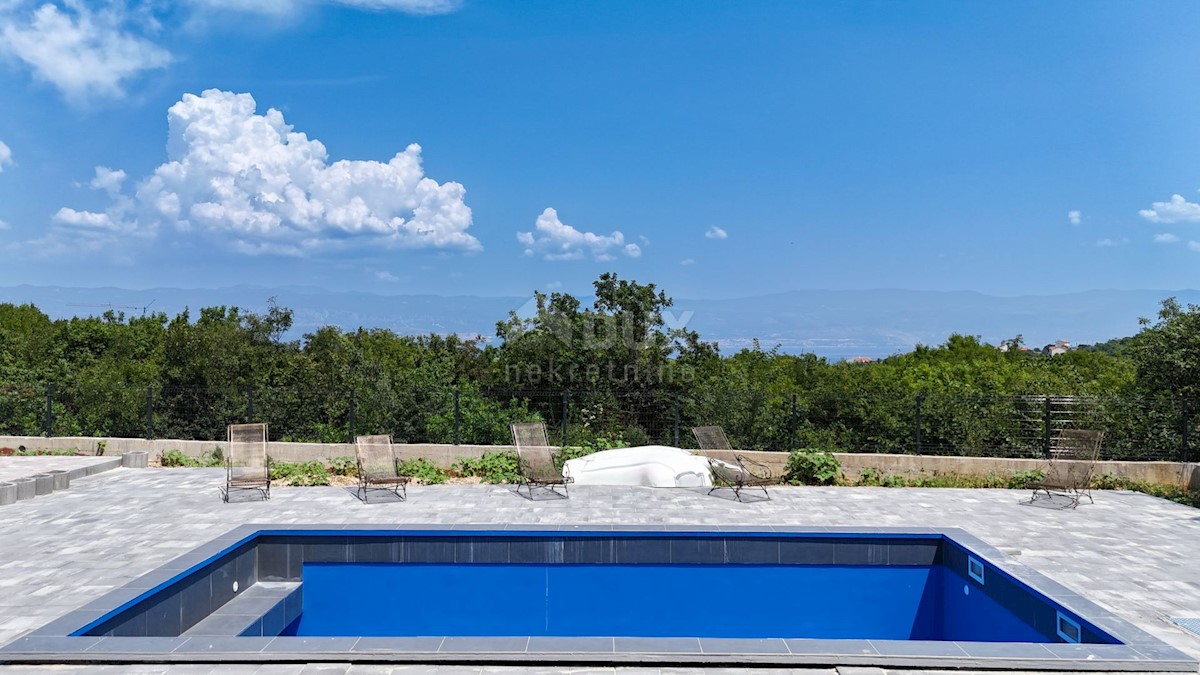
1060, 347
1009, 344
860, 359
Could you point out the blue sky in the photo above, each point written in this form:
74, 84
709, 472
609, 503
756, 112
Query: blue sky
717, 149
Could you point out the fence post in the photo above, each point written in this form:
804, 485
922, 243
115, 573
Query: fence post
565, 412
350, 422
917, 429
150, 413
676, 419
457, 413
1183, 447
1046, 438
792, 424
49, 421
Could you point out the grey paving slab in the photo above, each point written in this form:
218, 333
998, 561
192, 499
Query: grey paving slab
1130, 553
24, 467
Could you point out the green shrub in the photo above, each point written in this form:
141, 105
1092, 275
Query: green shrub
343, 466
1017, 480
53, 452
492, 467
1173, 493
812, 467
176, 458
870, 476
303, 473
320, 433
424, 471
1025, 480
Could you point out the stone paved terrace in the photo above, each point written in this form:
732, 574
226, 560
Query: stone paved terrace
23, 467
1131, 553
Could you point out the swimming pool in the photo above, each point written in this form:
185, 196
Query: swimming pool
778, 595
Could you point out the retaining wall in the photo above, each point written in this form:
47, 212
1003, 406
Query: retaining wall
1171, 473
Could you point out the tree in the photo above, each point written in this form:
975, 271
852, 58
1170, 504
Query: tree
1167, 352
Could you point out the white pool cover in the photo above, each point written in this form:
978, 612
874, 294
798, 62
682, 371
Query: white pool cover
650, 465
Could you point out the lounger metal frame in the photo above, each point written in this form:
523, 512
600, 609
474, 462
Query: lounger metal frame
1070, 467
247, 465
535, 459
378, 467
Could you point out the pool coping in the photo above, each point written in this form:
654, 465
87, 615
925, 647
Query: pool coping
54, 642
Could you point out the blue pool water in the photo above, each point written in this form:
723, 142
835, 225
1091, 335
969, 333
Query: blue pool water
653, 600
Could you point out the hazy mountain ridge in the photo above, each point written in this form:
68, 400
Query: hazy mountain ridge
836, 324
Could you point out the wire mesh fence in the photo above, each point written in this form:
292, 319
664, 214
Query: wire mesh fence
1015, 426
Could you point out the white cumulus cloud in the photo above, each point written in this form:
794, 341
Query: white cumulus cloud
1106, 242
252, 182
5, 156
384, 275
1178, 210
688, 261
1075, 217
1165, 238
91, 49
715, 232
1194, 246
108, 180
555, 240
82, 52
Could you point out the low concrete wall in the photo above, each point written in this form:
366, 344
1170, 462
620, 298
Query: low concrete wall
1169, 473
443, 455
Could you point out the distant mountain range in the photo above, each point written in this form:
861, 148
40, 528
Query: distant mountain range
834, 324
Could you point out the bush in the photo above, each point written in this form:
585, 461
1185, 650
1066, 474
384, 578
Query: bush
492, 467
424, 471
301, 474
1025, 480
176, 458
343, 466
53, 452
1173, 493
812, 467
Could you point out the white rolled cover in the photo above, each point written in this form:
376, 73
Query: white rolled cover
649, 465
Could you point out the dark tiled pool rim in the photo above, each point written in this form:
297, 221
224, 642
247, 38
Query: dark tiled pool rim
55, 642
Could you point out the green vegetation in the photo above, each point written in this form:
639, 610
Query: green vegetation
176, 458
619, 367
491, 467
812, 467
57, 452
1017, 480
344, 466
1174, 493
301, 473
424, 471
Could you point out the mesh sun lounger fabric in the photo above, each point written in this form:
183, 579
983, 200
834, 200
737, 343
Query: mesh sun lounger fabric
1070, 466
711, 438
378, 468
247, 466
535, 459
